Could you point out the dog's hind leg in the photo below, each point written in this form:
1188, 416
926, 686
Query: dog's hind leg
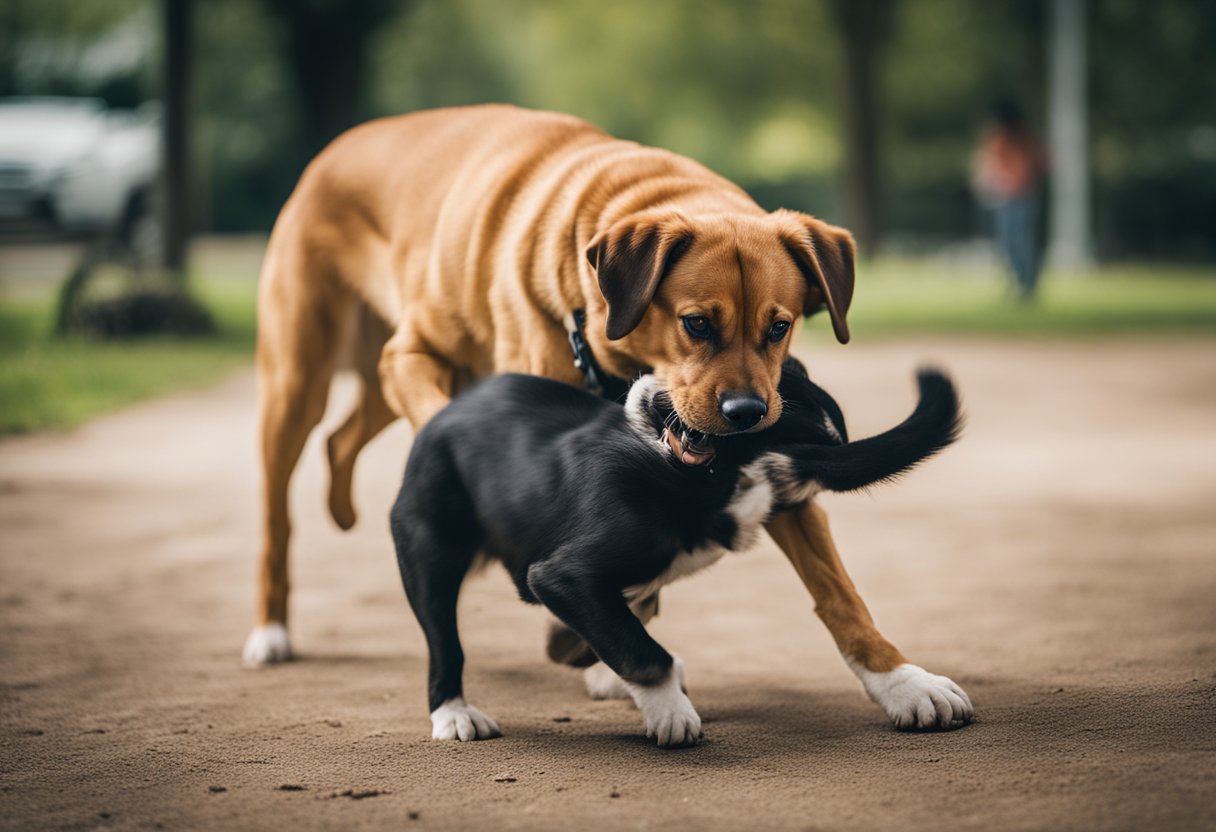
433, 563
564, 646
300, 321
370, 415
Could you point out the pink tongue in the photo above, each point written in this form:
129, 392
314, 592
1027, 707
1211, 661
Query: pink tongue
686, 456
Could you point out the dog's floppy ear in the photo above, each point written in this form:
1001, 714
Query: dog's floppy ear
825, 255
630, 259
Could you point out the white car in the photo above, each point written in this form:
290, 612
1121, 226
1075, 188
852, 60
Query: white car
80, 167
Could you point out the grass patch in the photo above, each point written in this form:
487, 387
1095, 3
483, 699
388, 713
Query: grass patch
49, 382
909, 297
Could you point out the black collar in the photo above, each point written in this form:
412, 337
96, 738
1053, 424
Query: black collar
598, 382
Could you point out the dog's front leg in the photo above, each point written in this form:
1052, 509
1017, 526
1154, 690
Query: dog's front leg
601, 681
911, 696
604, 620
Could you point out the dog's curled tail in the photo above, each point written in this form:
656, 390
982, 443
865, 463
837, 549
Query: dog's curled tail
935, 423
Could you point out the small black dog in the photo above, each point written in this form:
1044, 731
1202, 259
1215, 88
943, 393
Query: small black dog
589, 507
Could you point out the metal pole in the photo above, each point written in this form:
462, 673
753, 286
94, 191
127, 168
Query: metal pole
1069, 239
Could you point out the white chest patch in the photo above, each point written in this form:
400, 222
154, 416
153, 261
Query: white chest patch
750, 506
684, 565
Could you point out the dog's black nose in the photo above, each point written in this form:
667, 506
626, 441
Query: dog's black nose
742, 410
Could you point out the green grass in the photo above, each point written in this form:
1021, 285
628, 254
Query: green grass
47, 382
911, 297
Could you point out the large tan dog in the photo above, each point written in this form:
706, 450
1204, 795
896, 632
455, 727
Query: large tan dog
451, 244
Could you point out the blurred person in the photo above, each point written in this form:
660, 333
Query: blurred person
1005, 172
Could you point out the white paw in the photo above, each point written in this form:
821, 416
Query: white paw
670, 718
266, 645
603, 683
454, 720
915, 698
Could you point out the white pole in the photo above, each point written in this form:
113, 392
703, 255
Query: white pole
1069, 237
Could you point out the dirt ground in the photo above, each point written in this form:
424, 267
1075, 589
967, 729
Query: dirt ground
1059, 563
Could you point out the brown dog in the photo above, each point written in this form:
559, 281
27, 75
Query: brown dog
451, 244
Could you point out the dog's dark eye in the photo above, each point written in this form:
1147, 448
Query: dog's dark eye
698, 326
777, 331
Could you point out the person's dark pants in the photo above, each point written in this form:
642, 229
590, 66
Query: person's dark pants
1015, 233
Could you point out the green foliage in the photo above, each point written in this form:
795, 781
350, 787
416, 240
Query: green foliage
51, 47
700, 78
246, 153
753, 89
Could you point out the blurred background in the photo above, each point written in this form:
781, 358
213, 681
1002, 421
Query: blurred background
147, 145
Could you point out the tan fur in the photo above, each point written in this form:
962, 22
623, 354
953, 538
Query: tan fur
807, 542
450, 244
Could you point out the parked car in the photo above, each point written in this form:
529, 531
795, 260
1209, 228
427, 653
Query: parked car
76, 167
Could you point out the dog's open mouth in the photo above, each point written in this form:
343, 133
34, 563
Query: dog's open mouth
691, 447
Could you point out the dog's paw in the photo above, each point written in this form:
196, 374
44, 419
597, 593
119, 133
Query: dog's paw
267, 644
456, 720
918, 700
677, 664
603, 683
671, 720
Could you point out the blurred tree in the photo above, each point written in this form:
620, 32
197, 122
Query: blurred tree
1153, 84
758, 91
326, 45
176, 225
70, 47
248, 150
748, 89
864, 27
158, 301
11, 29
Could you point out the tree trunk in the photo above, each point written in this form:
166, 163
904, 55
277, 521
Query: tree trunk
863, 26
178, 23
326, 51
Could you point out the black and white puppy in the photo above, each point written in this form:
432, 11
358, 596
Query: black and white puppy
589, 509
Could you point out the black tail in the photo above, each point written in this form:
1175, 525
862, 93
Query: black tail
934, 424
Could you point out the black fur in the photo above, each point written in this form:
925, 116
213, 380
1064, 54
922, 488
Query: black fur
579, 505
934, 424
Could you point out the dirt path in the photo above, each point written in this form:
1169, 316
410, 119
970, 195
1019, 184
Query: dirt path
1060, 563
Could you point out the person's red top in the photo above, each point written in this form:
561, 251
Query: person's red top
1007, 164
